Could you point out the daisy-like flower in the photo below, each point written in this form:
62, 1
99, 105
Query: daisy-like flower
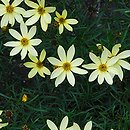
62, 21
11, 12
65, 66
75, 126
37, 65
39, 11
120, 63
63, 124
25, 42
2, 124
102, 67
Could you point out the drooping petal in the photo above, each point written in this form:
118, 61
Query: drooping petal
94, 58
32, 51
61, 53
93, 75
60, 79
124, 54
88, 126
24, 29
72, 21
56, 72
47, 18
77, 62
90, 66
33, 58
35, 42
108, 78
54, 61
64, 123
4, 20
46, 71
50, 9
116, 49
79, 71
70, 78
61, 29
29, 64
44, 25
32, 32
32, 73
23, 53
31, 4
64, 13
16, 2
15, 50
124, 64
15, 34
68, 27
12, 43
51, 125
42, 55
32, 20
100, 78
70, 53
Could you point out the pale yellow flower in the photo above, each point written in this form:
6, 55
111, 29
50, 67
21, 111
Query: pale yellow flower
37, 65
25, 42
120, 63
75, 126
63, 124
102, 67
2, 124
62, 21
39, 11
65, 66
11, 12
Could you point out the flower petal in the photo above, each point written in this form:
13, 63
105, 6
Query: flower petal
2, 9
44, 25
32, 51
50, 9
41, 72
15, 34
120, 72
112, 70
61, 53
29, 64
33, 58
31, 4
4, 20
16, 2
18, 17
19, 10
12, 43
42, 55
32, 32
29, 13
112, 61
6, 2
70, 78
32, 73
64, 13
93, 75
104, 56
60, 79
116, 49
108, 78
43, 3
47, 18
100, 78
51, 125
90, 66
15, 50
88, 126
72, 21
46, 71
61, 29
124, 54
70, 53
3, 125
64, 123
77, 62
57, 14
35, 42
68, 27
24, 29
54, 61
79, 71
56, 72
23, 53
124, 64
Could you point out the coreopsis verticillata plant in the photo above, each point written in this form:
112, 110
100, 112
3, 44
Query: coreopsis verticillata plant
39, 11
103, 67
11, 12
62, 21
120, 63
37, 65
2, 124
65, 66
25, 42
63, 124
75, 126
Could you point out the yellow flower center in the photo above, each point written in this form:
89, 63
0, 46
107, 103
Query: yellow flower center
39, 64
103, 67
24, 41
9, 9
61, 20
41, 10
67, 66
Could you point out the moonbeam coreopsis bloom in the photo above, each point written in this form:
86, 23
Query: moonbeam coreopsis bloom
37, 65
65, 66
2, 124
25, 42
103, 67
62, 21
11, 12
39, 11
